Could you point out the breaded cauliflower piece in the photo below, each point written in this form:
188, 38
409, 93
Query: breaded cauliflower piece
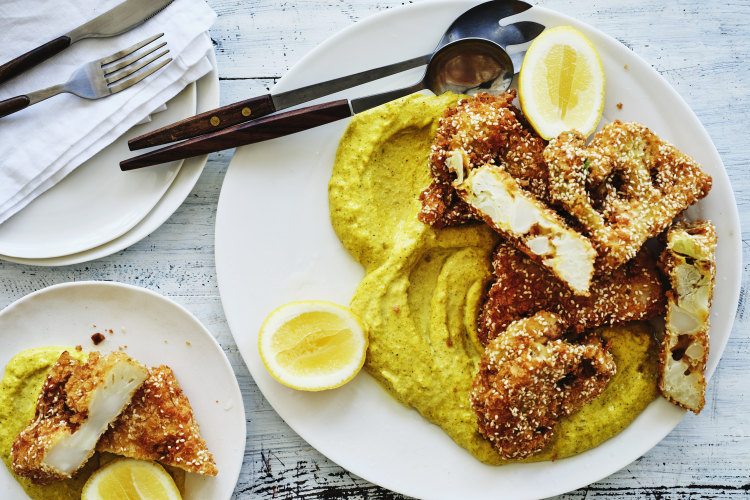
688, 261
529, 377
77, 403
521, 287
485, 129
624, 187
159, 425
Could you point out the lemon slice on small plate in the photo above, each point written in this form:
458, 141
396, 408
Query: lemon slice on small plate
128, 479
561, 83
312, 345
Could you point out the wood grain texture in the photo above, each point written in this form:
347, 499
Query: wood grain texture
265, 128
204, 123
699, 47
33, 57
13, 104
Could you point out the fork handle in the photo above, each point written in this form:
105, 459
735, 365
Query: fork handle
13, 104
33, 57
207, 122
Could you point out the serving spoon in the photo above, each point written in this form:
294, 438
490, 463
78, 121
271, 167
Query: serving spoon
481, 21
467, 65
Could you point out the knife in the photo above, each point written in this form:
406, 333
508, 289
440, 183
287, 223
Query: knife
120, 19
256, 107
271, 127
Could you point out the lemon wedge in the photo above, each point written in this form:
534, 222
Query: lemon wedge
128, 479
312, 345
561, 83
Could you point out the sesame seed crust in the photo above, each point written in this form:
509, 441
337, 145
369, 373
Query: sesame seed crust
62, 408
521, 288
488, 129
689, 263
529, 377
624, 188
159, 425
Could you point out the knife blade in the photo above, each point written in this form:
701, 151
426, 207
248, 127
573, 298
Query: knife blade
115, 21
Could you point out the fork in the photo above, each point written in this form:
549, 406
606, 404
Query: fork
100, 78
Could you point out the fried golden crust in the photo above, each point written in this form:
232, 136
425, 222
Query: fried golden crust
488, 130
159, 425
529, 377
63, 406
51, 418
689, 263
521, 288
623, 188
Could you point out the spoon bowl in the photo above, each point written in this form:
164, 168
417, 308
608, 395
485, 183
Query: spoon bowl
466, 66
469, 66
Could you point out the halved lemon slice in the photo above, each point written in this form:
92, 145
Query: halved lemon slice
312, 345
561, 84
128, 479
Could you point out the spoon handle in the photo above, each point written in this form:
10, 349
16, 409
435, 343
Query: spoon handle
370, 101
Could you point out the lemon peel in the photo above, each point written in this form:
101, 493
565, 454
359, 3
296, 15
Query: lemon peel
312, 345
561, 83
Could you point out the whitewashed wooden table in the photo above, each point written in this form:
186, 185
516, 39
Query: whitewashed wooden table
701, 48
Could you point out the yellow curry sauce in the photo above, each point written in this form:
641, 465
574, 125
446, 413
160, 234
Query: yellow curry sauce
19, 390
423, 287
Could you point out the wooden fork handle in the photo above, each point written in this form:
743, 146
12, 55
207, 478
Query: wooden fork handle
13, 104
33, 57
260, 130
204, 123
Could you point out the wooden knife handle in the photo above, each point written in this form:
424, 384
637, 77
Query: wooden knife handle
32, 58
204, 123
245, 133
13, 104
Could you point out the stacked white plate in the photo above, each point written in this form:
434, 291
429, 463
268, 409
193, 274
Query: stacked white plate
98, 210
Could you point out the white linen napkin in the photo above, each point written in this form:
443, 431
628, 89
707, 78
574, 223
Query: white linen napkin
43, 143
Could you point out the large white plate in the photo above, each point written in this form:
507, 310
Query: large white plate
275, 244
96, 202
207, 94
156, 331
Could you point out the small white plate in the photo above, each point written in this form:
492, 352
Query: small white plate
156, 331
275, 244
207, 93
96, 202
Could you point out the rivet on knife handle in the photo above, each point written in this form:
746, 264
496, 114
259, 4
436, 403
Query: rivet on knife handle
248, 132
32, 58
223, 117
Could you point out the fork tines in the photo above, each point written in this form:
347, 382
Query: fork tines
133, 61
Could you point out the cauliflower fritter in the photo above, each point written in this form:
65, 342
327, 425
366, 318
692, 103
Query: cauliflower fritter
481, 130
159, 425
689, 263
77, 403
521, 288
624, 188
487, 164
529, 377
